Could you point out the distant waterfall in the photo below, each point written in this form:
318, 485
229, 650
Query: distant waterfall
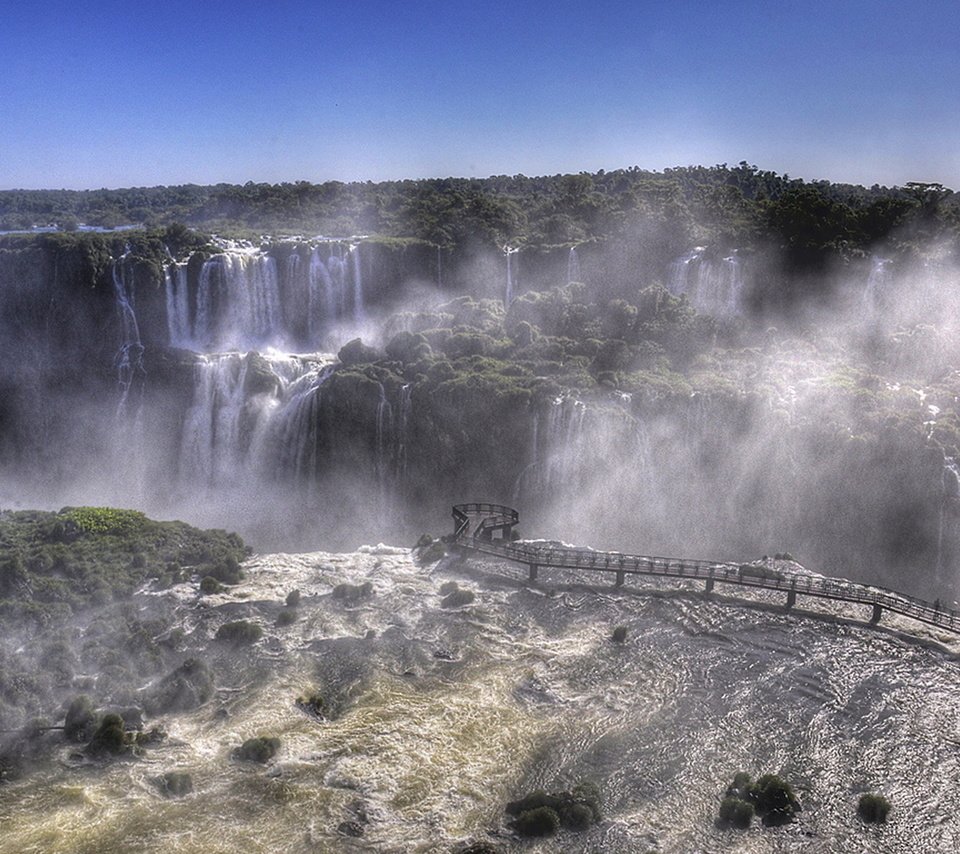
358, 308
508, 294
238, 303
713, 285
950, 494
403, 426
878, 280
129, 356
573, 266
176, 287
239, 425
241, 298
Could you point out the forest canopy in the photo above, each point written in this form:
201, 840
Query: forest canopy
738, 205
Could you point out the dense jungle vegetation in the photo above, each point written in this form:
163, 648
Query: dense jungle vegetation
738, 205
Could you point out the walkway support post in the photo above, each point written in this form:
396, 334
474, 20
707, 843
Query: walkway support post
791, 599
533, 571
621, 576
877, 611
709, 585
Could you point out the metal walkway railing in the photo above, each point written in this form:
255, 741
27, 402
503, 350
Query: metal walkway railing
477, 523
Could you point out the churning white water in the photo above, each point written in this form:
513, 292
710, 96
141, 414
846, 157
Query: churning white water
438, 716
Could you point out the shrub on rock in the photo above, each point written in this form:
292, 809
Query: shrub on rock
619, 634
735, 812
457, 598
286, 618
174, 784
239, 633
352, 592
210, 585
873, 808
260, 749
81, 721
540, 821
109, 738
185, 688
541, 813
293, 599
313, 704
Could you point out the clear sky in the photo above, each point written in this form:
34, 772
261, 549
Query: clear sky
133, 93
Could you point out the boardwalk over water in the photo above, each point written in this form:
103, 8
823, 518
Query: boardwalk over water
487, 529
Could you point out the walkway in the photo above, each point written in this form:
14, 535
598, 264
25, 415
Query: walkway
487, 529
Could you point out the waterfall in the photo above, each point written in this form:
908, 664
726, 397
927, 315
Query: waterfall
950, 492
403, 424
236, 428
358, 310
129, 357
712, 285
384, 424
877, 282
573, 266
238, 302
508, 295
296, 431
178, 305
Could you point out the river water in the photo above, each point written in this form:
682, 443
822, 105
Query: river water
439, 716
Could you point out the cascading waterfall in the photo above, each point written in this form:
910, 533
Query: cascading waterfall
238, 302
508, 295
231, 431
384, 428
358, 309
950, 486
713, 286
129, 357
877, 281
176, 287
573, 266
296, 433
403, 425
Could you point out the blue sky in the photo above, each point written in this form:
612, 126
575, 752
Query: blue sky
119, 94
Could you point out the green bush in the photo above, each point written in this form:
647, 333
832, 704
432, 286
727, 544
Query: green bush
293, 599
352, 592
210, 585
540, 821
773, 799
457, 598
188, 686
80, 721
286, 618
735, 812
620, 634
313, 704
873, 808
239, 633
535, 814
109, 737
174, 784
260, 749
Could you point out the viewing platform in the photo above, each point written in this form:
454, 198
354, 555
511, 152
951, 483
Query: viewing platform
488, 529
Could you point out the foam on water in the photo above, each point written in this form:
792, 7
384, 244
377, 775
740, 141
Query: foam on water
441, 715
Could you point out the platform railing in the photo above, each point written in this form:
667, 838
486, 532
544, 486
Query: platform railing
475, 524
